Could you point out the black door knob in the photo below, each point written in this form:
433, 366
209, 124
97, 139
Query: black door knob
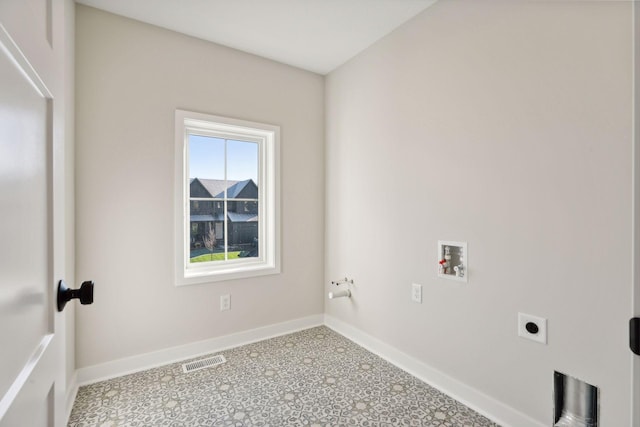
634, 335
84, 294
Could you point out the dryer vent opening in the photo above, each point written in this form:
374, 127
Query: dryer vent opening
575, 402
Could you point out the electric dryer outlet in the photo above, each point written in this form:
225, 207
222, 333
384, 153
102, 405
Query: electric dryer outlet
532, 327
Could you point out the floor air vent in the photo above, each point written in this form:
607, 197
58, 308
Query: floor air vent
203, 363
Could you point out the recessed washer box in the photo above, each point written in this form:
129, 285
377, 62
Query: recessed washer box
453, 260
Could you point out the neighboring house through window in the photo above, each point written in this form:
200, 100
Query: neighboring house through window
227, 218
209, 219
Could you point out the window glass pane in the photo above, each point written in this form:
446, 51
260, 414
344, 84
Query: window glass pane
242, 161
242, 215
206, 157
206, 198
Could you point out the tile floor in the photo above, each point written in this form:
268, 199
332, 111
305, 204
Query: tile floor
314, 377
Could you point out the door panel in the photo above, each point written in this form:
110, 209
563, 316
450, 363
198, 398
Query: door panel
23, 206
27, 323
30, 399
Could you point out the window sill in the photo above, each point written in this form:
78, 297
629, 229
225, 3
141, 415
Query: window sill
195, 277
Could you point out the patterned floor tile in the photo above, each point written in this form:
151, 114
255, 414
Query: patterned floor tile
315, 377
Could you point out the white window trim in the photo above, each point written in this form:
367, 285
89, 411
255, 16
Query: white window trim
268, 139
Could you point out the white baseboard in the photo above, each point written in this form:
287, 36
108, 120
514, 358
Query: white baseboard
116, 368
491, 408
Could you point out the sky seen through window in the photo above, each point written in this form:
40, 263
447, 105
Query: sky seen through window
207, 159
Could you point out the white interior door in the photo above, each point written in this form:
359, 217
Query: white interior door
635, 376
29, 345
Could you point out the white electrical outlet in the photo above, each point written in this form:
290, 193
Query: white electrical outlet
532, 327
225, 302
416, 293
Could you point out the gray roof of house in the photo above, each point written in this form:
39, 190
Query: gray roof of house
233, 217
202, 218
242, 217
215, 187
234, 190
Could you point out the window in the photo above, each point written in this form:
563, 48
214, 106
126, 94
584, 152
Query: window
227, 181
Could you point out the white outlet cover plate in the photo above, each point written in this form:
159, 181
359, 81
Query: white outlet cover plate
540, 336
416, 292
225, 302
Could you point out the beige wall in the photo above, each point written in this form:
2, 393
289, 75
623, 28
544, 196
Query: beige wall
506, 125
130, 78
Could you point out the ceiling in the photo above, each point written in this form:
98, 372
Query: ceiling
315, 35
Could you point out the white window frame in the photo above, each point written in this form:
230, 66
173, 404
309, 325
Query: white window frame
268, 139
